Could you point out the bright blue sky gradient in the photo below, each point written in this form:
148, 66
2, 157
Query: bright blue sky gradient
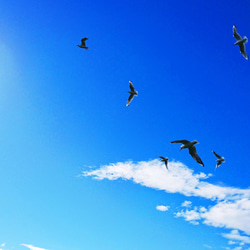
63, 113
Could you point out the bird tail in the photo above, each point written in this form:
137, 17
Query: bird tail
216, 166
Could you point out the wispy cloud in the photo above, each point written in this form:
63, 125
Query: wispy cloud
32, 247
235, 235
186, 204
207, 246
162, 208
190, 215
229, 208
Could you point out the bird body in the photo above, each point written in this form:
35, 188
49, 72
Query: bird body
240, 41
191, 148
132, 93
165, 160
186, 144
219, 161
83, 45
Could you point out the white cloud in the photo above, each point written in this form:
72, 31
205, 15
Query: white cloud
2, 245
202, 209
231, 242
186, 204
230, 214
162, 208
32, 247
224, 214
235, 235
207, 246
190, 215
230, 207
178, 179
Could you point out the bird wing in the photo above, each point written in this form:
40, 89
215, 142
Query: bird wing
131, 86
130, 99
218, 164
218, 156
180, 141
235, 34
83, 41
165, 161
243, 50
166, 164
193, 153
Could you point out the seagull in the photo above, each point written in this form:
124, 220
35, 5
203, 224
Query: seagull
219, 160
241, 42
132, 93
83, 45
165, 160
191, 148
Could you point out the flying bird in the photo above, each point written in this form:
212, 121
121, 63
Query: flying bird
165, 160
219, 160
83, 45
132, 93
240, 41
191, 148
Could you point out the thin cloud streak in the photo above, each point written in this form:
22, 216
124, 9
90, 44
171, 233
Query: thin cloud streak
32, 247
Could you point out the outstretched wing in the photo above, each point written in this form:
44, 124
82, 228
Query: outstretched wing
235, 34
193, 153
83, 40
130, 99
243, 50
218, 156
180, 141
166, 164
165, 161
131, 86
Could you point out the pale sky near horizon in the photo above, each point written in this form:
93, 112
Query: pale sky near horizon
79, 169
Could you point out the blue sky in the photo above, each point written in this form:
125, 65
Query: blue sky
79, 169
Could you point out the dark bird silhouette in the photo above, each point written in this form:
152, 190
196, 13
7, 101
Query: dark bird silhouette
83, 45
191, 148
219, 160
165, 160
132, 93
241, 42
